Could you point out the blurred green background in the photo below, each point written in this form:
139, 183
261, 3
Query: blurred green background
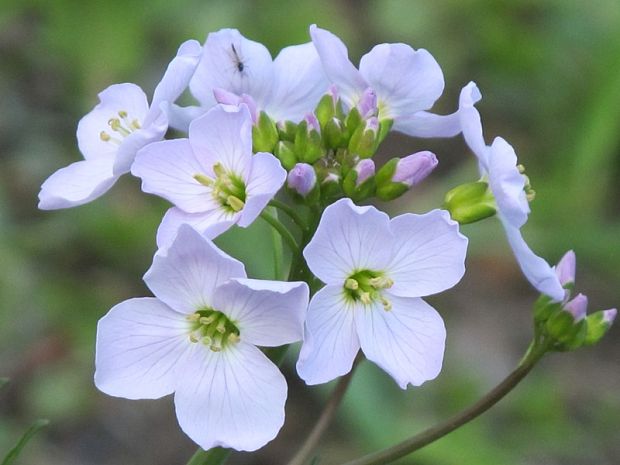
549, 71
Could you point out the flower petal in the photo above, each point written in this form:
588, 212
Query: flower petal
338, 68
186, 274
234, 398
405, 80
77, 184
299, 83
234, 63
471, 123
267, 313
330, 341
265, 180
430, 254
210, 224
407, 341
536, 270
425, 124
224, 136
349, 238
140, 343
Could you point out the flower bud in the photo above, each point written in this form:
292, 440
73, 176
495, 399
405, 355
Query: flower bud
568, 327
285, 152
367, 105
470, 202
414, 168
359, 183
364, 140
308, 143
364, 169
286, 130
577, 307
302, 179
334, 134
565, 269
264, 134
329, 106
598, 324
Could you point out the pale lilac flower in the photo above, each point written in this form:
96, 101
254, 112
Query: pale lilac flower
197, 339
212, 177
375, 270
404, 81
566, 267
577, 307
365, 169
286, 88
498, 164
302, 179
414, 168
111, 134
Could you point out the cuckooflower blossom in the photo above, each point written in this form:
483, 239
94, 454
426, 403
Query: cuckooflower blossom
406, 82
197, 339
286, 88
375, 270
498, 164
212, 178
111, 134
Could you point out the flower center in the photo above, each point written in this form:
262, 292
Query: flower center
121, 126
228, 188
530, 193
366, 286
213, 329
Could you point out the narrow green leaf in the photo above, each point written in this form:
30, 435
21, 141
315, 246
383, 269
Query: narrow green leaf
13, 453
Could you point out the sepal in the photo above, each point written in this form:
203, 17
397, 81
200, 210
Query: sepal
264, 134
470, 202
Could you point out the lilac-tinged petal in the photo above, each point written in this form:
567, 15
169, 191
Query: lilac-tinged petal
299, 83
210, 224
338, 68
140, 344
265, 180
185, 275
430, 254
301, 179
407, 341
234, 63
566, 267
414, 168
179, 117
471, 124
405, 80
577, 307
349, 238
507, 183
77, 184
365, 168
609, 315
167, 169
536, 270
234, 398
224, 136
330, 342
267, 313
425, 124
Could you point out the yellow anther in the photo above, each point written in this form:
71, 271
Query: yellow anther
530, 195
235, 203
219, 170
366, 298
193, 337
351, 284
381, 282
387, 305
216, 348
135, 124
207, 341
205, 320
204, 180
122, 114
234, 338
221, 327
114, 123
193, 317
521, 168
104, 136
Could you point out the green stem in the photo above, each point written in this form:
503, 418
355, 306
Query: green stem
290, 211
282, 230
215, 456
533, 355
278, 256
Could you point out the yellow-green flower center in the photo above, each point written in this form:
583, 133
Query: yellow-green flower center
366, 287
227, 188
121, 126
213, 329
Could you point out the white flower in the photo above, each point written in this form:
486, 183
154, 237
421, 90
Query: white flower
197, 339
376, 270
212, 177
406, 82
286, 88
498, 164
111, 134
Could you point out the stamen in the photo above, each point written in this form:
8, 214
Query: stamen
104, 136
219, 170
366, 298
351, 284
204, 180
136, 124
381, 282
205, 320
235, 203
193, 317
221, 327
234, 338
122, 114
387, 305
193, 337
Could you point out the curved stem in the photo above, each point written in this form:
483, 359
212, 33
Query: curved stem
215, 456
281, 229
290, 211
434, 433
325, 419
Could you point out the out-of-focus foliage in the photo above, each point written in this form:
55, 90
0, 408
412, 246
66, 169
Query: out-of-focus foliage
549, 71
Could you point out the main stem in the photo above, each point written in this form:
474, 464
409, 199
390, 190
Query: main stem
434, 433
216, 455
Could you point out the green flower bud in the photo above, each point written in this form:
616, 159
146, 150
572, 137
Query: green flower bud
470, 202
264, 134
287, 130
285, 152
308, 143
598, 324
363, 142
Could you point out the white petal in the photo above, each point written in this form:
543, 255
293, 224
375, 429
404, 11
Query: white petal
430, 254
224, 136
407, 342
471, 123
536, 270
140, 343
405, 80
267, 313
234, 63
330, 341
234, 398
299, 83
507, 183
349, 238
77, 184
118, 97
337, 66
186, 274
180, 118
167, 169
266, 178
425, 124
210, 224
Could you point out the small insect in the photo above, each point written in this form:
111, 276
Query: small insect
238, 62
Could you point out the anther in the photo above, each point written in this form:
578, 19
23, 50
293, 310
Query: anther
381, 282
387, 305
135, 124
122, 114
235, 203
207, 341
204, 180
366, 298
193, 317
234, 338
219, 170
351, 284
205, 320
193, 337
221, 327
104, 136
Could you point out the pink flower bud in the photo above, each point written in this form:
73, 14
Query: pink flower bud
577, 307
565, 269
301, 179
333, 91
367, 105
365, 169
313, 123
414, 168
372, 124
609, 315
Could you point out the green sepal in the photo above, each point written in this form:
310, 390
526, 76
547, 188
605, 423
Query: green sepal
363, 142
384, 128
334, 134
353, 120
285, 152
358, 193
392, 191
326, 110
308, 144
544, 308
287, 130
264, 134
597, 327
470, 202
568, 333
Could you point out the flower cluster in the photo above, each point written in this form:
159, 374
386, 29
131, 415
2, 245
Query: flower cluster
299, 133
